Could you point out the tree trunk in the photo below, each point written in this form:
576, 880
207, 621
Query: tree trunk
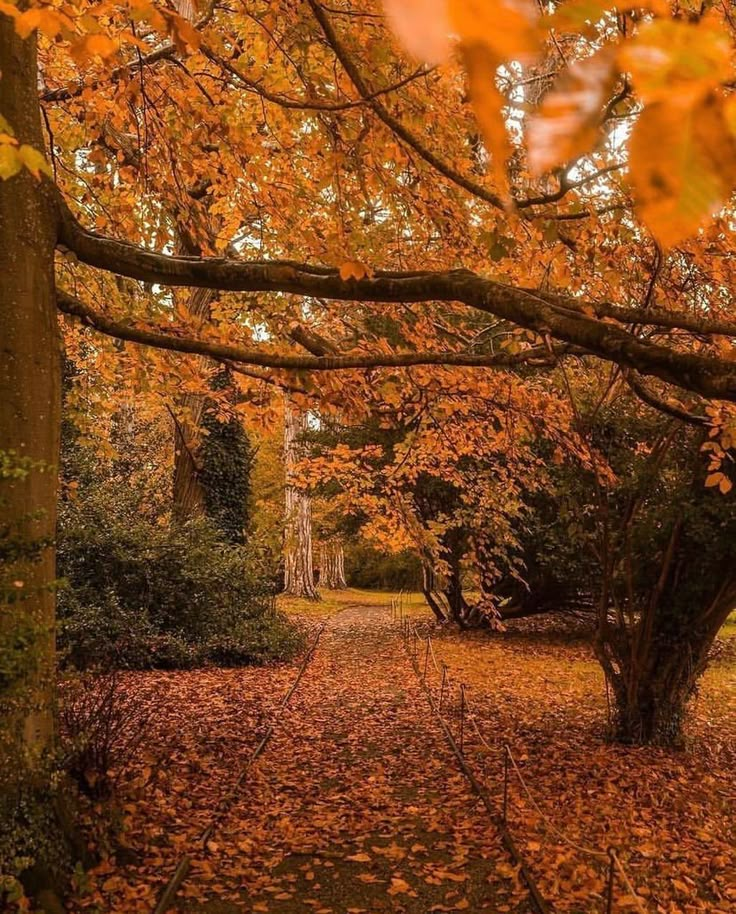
188, 495
30, 420
653, 670
429, 589
332, 565
298, 570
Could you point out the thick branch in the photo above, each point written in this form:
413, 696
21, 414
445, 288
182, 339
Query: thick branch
651, 317
547, 315
662, 406
223, 352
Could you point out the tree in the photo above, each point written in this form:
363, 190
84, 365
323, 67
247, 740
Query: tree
332, 564
667, 581
329, 169
298, 569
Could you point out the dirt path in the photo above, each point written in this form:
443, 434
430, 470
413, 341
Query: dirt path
357, 805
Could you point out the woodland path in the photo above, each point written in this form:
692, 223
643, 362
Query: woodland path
358, 804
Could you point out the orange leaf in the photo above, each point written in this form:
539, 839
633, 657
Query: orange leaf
422, 27
672, 57
507, 27
567, 122
682, 181
353, 269
488, 103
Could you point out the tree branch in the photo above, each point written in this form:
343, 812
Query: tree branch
662, 406
403, 133
224, 352
544, 313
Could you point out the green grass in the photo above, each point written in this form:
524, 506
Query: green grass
334, 600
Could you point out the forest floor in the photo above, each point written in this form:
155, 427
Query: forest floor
358, 807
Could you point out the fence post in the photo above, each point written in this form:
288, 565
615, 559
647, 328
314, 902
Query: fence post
442, 685
426, 659
462, 717
611, 881
505, 783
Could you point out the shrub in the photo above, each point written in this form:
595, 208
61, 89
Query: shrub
141, 594
374, 569
101, 728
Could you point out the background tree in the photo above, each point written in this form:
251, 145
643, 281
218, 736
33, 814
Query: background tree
298, 567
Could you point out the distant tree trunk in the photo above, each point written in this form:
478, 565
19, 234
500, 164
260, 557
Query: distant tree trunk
298, 569
30, 421
188, 495
226, 465
332, 565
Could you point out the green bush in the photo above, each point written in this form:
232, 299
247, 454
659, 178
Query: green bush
137, 593
373, 569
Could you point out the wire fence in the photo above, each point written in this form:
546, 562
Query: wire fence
417, 639
170, 890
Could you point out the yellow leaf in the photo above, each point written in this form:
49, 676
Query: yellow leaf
566, 125
10, 164
34, 161
714, 480
683, 166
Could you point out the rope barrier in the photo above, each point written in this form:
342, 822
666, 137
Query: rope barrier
615, 864
181, 872
547, 821
625, 879
539, 903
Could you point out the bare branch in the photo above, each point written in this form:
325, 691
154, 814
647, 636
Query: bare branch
662, 406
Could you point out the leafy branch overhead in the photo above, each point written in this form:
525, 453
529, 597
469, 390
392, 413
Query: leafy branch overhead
677, 70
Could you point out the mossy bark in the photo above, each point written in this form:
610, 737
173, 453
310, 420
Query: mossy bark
30, 418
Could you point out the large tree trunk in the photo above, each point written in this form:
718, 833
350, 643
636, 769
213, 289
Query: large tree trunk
653, 669
651, 695
298, 569
30, 419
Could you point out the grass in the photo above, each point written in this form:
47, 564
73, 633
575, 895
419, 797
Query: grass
333, 601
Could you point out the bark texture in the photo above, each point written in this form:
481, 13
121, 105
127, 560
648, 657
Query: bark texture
30, 411
653, 668
332, 565
298, 566
188, 495
31, 808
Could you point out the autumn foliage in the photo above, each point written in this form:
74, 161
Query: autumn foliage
451, 279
